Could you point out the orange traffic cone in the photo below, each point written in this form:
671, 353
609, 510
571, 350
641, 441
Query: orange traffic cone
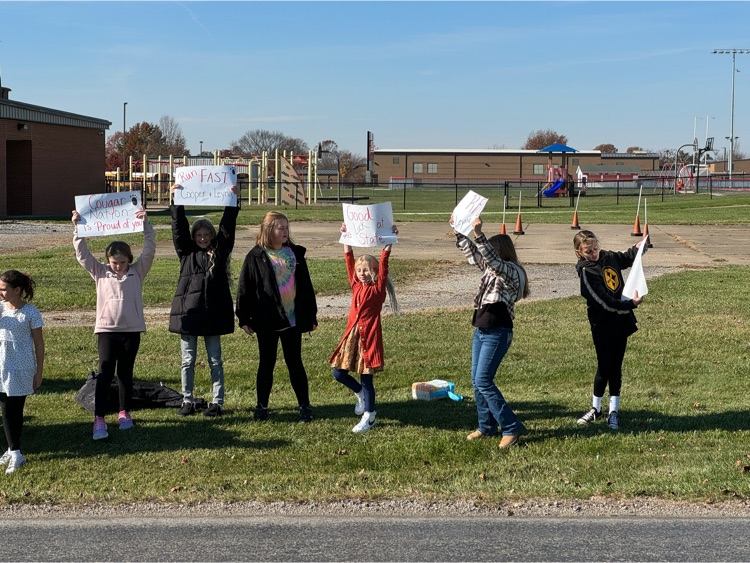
575, 224
519, 225
502, 229
646, 235
636, 228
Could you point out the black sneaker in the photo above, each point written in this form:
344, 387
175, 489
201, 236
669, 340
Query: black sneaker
591, 416
305, 414
214, 409
260, 413
186, 409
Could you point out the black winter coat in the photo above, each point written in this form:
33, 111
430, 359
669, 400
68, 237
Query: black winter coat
202, 304
601, 285
258, 298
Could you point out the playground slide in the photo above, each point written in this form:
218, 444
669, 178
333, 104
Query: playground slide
549, 192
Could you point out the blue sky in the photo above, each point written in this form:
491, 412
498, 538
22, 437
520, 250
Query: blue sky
417, 74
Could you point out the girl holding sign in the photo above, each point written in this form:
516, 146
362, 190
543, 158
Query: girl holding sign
611, 318
361, 348
503, 282
276, 301
202, 304
119, 316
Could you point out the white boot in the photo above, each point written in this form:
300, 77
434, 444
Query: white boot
359, 408
367, 422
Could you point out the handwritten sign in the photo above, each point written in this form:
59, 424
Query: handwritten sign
108, 214
205, 185
468, 209
368, 225
636, 279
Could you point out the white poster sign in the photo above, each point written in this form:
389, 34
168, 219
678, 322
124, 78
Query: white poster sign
636, 279
205, 185
469, 208
108, 214
368, 225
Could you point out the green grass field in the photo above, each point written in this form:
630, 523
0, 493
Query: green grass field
684, 413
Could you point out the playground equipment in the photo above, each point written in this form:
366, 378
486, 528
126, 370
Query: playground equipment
550, 192
555, 180
291, 178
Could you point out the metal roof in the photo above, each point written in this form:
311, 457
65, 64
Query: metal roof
20, 111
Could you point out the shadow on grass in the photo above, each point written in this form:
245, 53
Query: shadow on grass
66, 440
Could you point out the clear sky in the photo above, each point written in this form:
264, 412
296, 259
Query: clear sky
417, 74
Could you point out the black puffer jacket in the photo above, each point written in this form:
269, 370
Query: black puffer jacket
202, 304
258, 298
601, 285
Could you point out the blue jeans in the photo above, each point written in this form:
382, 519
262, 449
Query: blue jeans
189, 348
487, 351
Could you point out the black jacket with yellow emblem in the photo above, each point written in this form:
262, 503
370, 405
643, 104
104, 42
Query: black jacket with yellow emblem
601, 286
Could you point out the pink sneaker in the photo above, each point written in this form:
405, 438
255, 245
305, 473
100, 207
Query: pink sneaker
126, 423
100, 428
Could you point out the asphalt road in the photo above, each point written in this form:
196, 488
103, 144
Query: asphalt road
283, 538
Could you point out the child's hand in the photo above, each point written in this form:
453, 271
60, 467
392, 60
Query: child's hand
174, 187
343, 228
75, 217
249, 331
141, 214
394, 229
477, 226
235, 190
637, 299
645, 248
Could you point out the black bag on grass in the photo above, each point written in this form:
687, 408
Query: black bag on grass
145, 395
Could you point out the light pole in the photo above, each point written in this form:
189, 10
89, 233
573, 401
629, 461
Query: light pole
124, 113
734, 53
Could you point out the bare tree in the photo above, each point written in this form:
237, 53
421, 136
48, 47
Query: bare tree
259, 140
329, 157
353, 166
632, 150
543, 138
606, 148
173, 140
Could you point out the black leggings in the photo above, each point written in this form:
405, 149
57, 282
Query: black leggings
117, 350
13, 419
610, 353
291, 345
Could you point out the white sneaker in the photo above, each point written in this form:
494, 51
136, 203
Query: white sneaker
5, 458
359, 408
367, 422
16, 460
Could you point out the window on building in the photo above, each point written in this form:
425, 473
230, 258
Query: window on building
538, 169
395, 160
431, 168
418, 168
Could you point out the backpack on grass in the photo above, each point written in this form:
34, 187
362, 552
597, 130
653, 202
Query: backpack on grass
145, 396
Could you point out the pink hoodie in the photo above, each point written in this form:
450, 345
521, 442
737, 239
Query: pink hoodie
119, 302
